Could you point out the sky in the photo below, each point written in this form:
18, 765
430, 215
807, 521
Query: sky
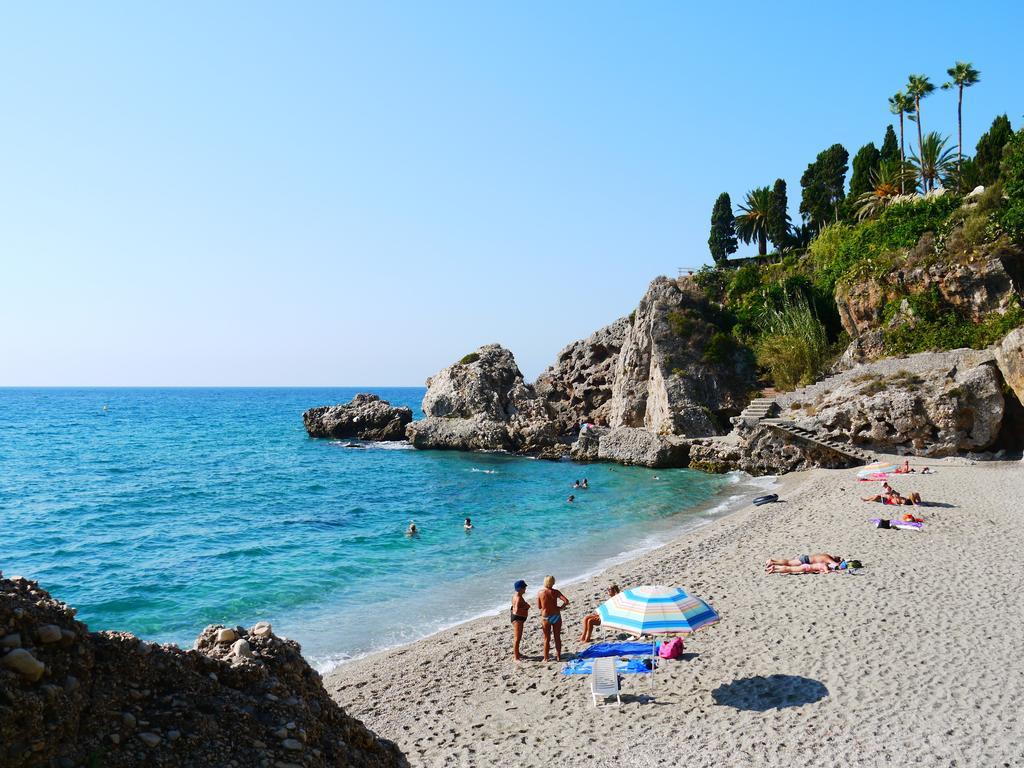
321, 194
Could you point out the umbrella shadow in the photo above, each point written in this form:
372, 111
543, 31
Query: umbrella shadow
759, 694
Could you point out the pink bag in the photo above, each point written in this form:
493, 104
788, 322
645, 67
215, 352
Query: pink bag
671, 649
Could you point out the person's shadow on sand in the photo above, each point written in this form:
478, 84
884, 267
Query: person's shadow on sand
759, 694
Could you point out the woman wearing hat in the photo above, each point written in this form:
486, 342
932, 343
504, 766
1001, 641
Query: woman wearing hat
520, 608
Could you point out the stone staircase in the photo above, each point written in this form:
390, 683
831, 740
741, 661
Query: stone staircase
760, 408
808, 436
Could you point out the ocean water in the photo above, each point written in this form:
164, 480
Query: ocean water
159, 511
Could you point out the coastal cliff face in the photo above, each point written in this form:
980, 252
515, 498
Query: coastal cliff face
71, 698
647, 378
664, 380
973, 281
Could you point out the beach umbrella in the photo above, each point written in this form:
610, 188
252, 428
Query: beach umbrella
656, 610
877, 468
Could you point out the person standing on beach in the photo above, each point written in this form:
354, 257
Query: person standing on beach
520, 608
551, 615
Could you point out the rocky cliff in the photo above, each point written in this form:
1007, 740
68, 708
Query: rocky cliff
72, 698
649, 378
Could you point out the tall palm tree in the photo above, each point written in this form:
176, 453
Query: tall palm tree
934, 162
919, 86
752, 223
963, 76
901, 104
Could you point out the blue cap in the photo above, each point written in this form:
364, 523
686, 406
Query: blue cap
519, 585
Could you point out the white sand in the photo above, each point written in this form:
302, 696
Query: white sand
918, 659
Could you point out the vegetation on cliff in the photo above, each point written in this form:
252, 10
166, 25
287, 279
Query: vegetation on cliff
908, 235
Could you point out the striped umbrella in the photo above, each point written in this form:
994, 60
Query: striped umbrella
656, 610
878, 468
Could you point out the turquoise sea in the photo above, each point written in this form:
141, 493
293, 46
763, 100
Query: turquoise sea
159, 511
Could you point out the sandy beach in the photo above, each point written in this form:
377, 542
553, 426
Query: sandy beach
915, 659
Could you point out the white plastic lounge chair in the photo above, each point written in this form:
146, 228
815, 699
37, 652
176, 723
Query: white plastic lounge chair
604, 680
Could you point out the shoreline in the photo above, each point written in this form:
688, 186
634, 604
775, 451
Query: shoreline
731, 504
798, 666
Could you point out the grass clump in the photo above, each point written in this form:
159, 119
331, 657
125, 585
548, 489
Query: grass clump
794, 346
472, 357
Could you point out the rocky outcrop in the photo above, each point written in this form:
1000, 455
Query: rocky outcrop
482, 403
578, 387
366, 417
973, 281
241, 697
1010, 358
931, 404
666, 378
632, 445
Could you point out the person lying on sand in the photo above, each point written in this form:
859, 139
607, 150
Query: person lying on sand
551, 615
927, 471
520, 608
819, 557
914, 499
592, 620
905, 469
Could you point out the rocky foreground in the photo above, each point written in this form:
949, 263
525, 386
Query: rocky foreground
241, 697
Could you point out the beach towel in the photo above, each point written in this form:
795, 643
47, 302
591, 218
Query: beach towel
616, 649
899, 524
873, 477
622, 667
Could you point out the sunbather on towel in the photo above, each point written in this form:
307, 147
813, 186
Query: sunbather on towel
895, 499
592, 620
818, 557
551, 602
905, 469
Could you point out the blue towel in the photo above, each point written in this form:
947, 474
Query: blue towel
622, 667
616, 649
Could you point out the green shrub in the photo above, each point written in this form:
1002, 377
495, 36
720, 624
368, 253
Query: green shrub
472, 357
1012, 217
681, 322
720, 348
794, 346
940, 327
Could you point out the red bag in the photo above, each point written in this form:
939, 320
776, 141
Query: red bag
671, 649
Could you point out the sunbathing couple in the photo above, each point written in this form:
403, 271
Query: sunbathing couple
889, 496
550, 601
821, 562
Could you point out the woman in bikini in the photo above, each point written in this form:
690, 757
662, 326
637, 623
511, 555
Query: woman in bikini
520, 608
551, 602
592, 620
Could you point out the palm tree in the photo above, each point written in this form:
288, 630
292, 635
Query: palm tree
964, 76
887, 184
901, 104
919, 86
934, 162
752, 223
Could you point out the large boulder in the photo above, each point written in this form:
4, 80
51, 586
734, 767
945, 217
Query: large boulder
132, 703
632, 445
931, 404
366, 417
1010, 358
664, 379
483, 403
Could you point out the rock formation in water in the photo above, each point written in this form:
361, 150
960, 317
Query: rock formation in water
72, 698
366, 417
482, 403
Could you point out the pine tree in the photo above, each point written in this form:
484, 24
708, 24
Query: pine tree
778, 216
890, 146
722, 240
989, 152
824, 184
865, 163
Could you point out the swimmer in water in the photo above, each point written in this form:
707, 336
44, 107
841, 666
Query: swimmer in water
411, 530
468, 525
576, 484
585, 485
571, 498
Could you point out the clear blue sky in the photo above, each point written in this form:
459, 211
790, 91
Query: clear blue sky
331, 193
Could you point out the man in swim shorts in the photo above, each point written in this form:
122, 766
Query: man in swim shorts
520, 608
818, 557
551, 615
